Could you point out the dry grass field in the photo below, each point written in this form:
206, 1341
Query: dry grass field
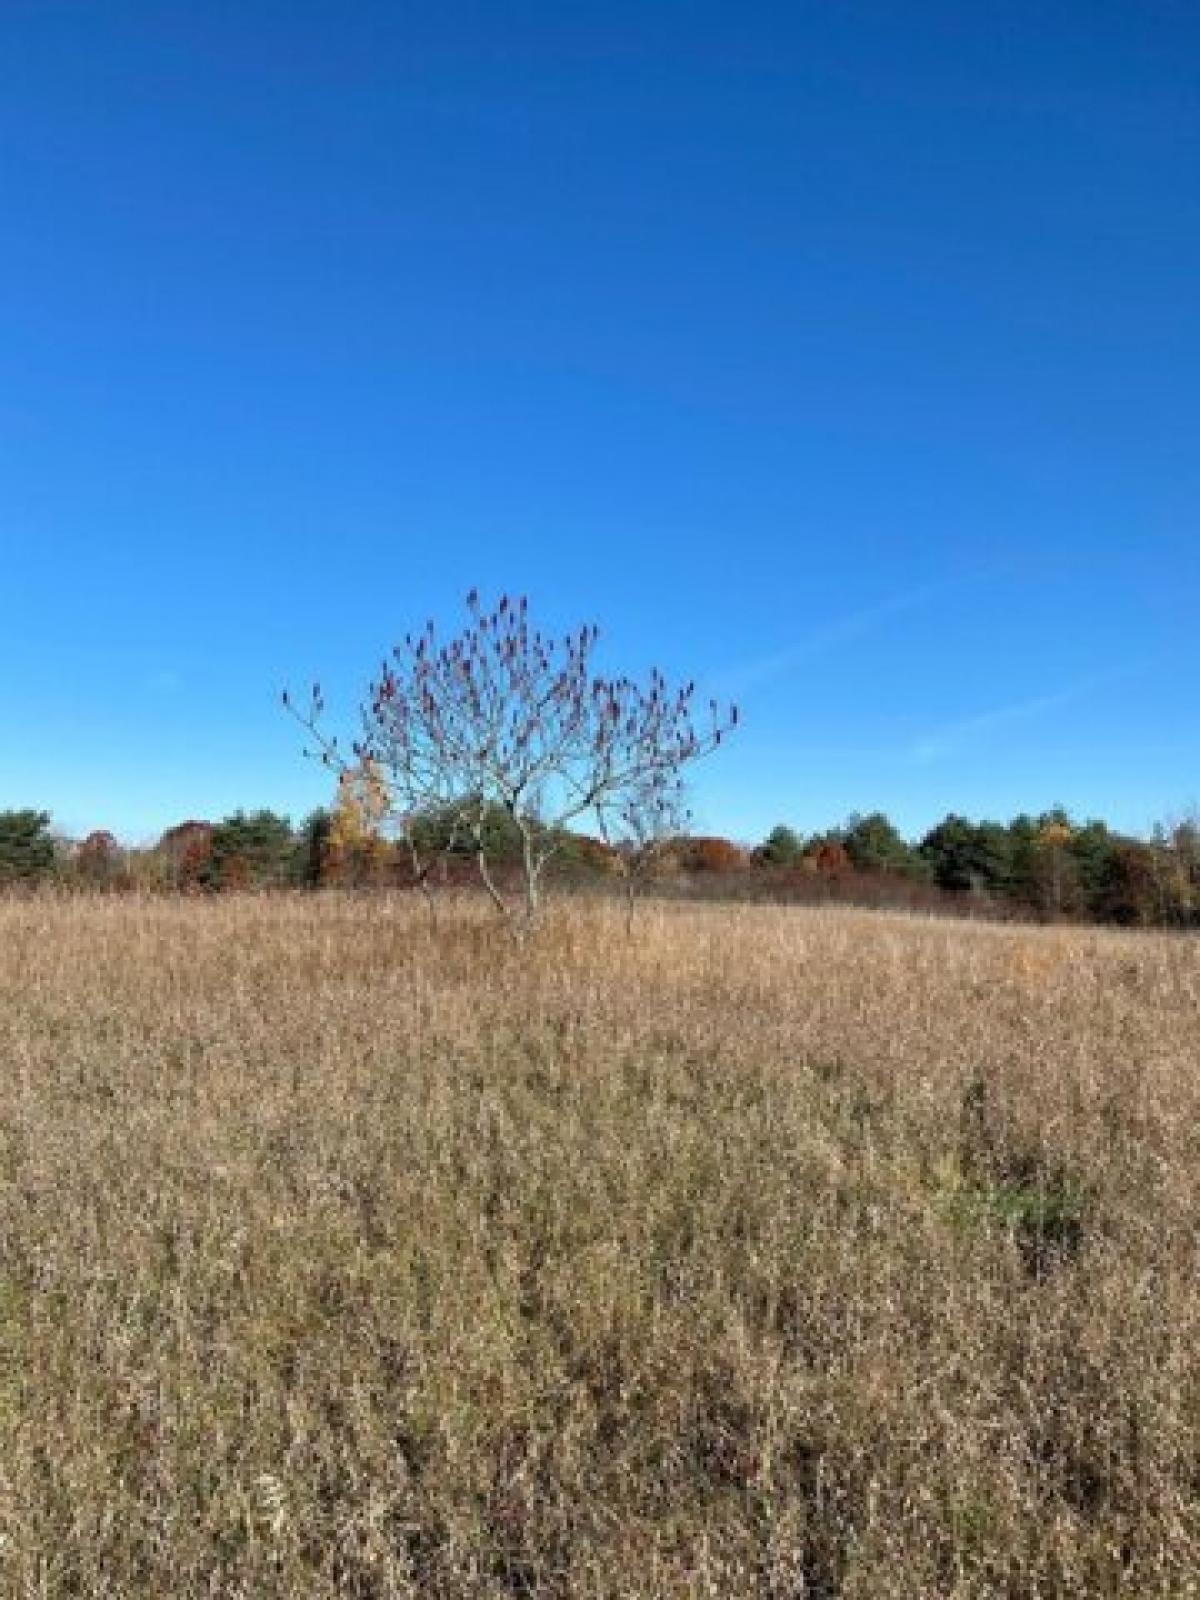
769, 1252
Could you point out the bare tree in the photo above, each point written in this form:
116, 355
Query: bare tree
643, 821
504, 718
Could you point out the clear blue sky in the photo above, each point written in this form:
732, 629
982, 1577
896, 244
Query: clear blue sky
844, 356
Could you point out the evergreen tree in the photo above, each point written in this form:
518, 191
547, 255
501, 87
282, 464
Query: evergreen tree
783, 847
26, 846
874, 844
250, 850
964, 855
1091, 850
307, 865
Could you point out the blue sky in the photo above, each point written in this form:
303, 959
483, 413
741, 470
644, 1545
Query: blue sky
846, 357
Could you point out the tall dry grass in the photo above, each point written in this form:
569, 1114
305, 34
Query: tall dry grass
771, 1252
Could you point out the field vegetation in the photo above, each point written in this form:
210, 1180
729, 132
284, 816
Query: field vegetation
770, 1251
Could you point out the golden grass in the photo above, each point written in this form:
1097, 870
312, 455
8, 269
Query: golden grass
771, 1252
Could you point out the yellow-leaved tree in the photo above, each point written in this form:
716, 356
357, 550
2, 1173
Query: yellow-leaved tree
357, 852
1054, 837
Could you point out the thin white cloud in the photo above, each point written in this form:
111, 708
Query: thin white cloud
743, 676
945, 740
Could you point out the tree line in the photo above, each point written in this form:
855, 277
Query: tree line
1048, 866
505, 757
